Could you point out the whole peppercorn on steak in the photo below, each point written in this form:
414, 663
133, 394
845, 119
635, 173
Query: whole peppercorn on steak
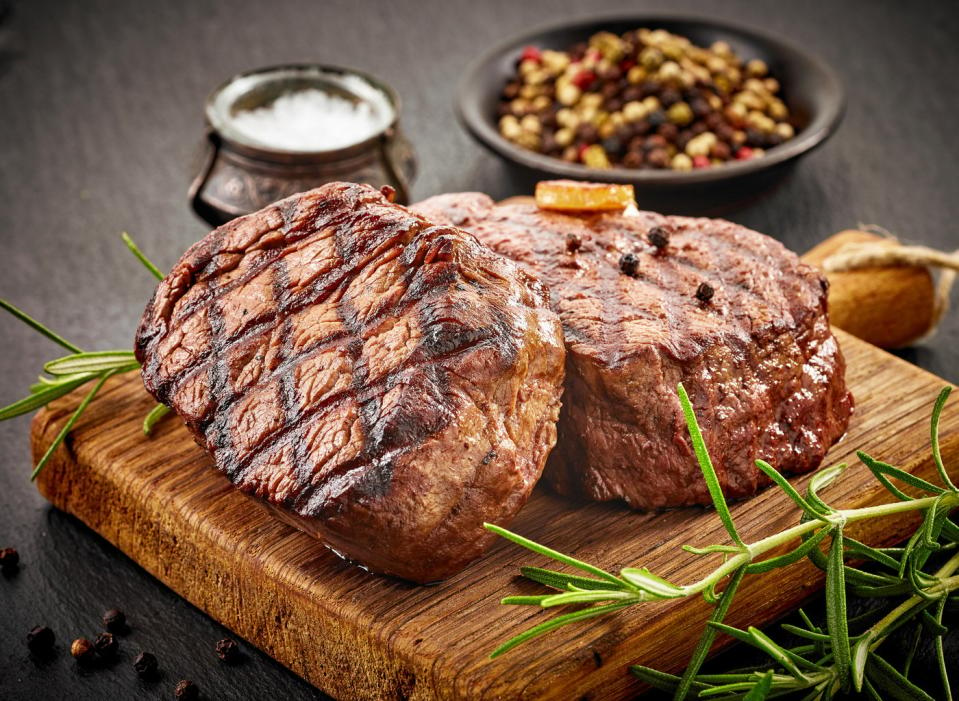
385, 383
648, 301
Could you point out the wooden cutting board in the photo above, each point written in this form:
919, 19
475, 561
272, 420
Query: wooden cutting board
357, 635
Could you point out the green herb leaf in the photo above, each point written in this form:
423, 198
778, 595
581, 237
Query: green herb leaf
934, 435
860, 655
68, 426
554, 554
706, 465
37, 326
42, 397
758, 639
762, 688
557, 622
585, 597
98, 361
941, 655
836, 616
712, 549
151, 420
709, 635
645, 580
874, 554
804, 633
789, 558
661, 680
883, 470
524, 600
135, 250
820, 480
894, 686
791, 492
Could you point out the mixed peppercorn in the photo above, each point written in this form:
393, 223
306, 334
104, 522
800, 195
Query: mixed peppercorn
104, 649
646, 99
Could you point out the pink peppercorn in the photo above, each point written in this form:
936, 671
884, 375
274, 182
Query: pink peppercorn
531, 53
701, 162
584, 79
744, 153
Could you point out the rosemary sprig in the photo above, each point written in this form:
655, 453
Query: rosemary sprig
63, 375
830, 660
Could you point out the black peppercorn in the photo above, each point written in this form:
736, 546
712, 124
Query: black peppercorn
573, 244
628, 264
82, 651
612, 145
145, 665
40, 640
106, 645
186, 691
755, 138
704, 292
656, 118
227, 649
9, 559
115, 620
658, 237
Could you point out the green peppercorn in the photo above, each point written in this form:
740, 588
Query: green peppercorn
680, 113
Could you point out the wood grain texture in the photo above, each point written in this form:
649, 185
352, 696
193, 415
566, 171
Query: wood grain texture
357, 635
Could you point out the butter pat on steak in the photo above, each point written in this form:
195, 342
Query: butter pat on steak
758, 358
386, 384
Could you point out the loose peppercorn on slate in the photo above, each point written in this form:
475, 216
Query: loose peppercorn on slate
387, 384
729, 312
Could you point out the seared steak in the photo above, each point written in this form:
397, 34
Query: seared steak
729, 312
388, 384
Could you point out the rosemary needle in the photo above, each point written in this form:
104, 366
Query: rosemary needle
63, 375
135, 250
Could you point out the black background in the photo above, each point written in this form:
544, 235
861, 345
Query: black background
100, 122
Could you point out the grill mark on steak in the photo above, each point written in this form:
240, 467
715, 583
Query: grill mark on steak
223, 346
319, 349
366, 397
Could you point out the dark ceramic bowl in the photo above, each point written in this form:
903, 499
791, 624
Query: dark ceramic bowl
810, 89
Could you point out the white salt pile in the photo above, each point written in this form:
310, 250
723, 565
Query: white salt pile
311, 120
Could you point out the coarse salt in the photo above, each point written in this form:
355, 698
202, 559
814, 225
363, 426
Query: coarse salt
311, 120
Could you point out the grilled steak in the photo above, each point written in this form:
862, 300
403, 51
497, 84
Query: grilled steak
729, 312
387, 384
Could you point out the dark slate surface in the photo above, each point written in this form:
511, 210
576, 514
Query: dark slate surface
100, 120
